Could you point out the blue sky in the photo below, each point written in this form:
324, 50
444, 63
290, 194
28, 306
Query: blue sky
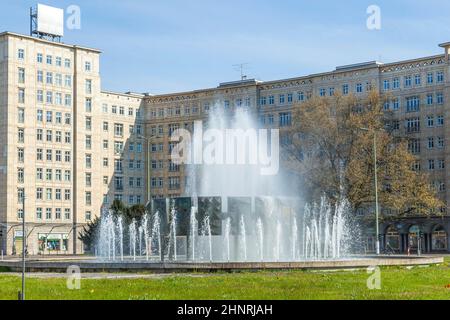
178, 45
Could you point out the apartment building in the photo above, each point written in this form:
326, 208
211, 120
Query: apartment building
69, 149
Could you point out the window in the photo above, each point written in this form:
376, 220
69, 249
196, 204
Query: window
68, 81
21, 155
430, 121
440, 121
88, 86
20, 175
39, 58
301, 96
413, 125
88, 179
408, 81
67, 63
431, 165
48, 214
21, 54
105, 126
322, 92
430, 143
40, 76
88, 105
39, 213
39, 194
429, 99
417, 80
440, 98
21, 135
282, 99
441, 142
88, 198
58, 99
58, 79
345, 89
262, 101
88, 161
39, 135
21, 95
271, 100
58, 213
359, 88
285, 119
21, 115
67, 214
39, 155
430, 78
88, 215
88, 142
68, 100
49, 78
414, 146
49, 97
58, 61
386, 85
396, 83
396, 104
21, 75
440, 77
87, 66
118, 130
412, 104
88, 123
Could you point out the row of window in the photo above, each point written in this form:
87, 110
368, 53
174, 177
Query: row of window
416, 80
50, 175
172, 182
414, 145
58, 214
120, 110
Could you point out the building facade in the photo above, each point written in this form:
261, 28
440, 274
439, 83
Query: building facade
69, 149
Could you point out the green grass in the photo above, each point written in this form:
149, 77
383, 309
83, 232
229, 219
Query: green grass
397, 283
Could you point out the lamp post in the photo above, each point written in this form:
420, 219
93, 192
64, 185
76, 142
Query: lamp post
24, 244
377, 208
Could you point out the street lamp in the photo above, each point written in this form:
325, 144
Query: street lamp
24, 244
377, 209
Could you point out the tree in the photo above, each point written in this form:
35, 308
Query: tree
89, 234
331, 151
90, 231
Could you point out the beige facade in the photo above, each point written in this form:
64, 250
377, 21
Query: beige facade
72, 148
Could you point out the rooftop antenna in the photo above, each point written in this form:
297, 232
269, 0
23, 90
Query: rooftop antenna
241, 67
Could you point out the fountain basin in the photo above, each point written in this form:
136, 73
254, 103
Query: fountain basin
92, 265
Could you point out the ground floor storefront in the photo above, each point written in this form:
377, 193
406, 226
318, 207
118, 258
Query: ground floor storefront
411, 235
57, 239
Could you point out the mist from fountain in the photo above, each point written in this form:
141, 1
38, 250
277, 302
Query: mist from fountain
276, 229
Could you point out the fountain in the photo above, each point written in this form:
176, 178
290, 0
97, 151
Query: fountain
230, 213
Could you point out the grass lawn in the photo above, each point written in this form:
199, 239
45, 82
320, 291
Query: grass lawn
397, 283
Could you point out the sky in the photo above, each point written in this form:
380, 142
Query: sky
164, 46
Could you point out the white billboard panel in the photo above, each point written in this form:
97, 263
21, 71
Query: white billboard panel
50, 20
